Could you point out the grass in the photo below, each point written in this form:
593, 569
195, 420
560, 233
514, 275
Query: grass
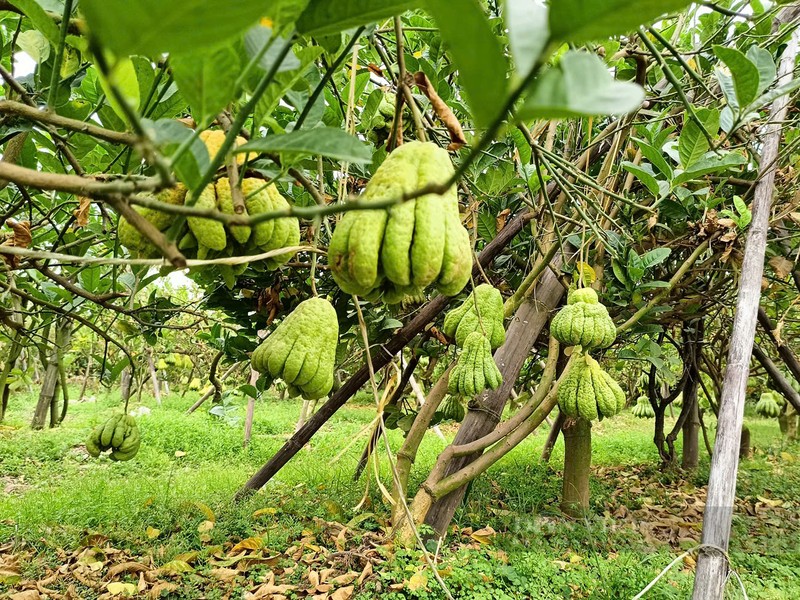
189, 467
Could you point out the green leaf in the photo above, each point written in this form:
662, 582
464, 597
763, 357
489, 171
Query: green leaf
254, 41
644, 173
487, 226
692, 143
745, 215
476, 52
774, 94
249, 390
744, 73
767, 72
586, 20
35, 45
284, 82
580, 85
325, 141
528, 33
40, 19
655, 156
709, 164
168, 135
207, 81
323, 17
123, 77
655, 257
151, 27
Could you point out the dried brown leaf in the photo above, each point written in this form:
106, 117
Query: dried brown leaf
781, 266
126, 567
442, 111
81, 213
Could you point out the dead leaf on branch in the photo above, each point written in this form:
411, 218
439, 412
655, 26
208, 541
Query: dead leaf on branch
442, 111
21, 238
782, 266
81, 213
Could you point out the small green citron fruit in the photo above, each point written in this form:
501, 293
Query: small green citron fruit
767, 406
120, 434
411, 245
588, 392
481, 311
584, 322
302, 349
643, 409
475, 369
453, 409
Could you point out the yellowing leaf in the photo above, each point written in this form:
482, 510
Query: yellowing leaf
206, 510
418, 581
205, 526
253, 543
117, 588
586, 272
152, 532
175, 567
265, 511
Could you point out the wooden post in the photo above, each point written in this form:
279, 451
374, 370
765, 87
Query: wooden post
712, 565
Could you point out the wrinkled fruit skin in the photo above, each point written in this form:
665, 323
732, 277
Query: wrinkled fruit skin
475, 369
397, 252
302, 349
643, 409
120, 434
589, 392
584, 322
453, 409
768, 406
130, 237
487, 317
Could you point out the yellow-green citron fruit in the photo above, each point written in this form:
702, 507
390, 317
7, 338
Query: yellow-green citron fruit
475, 369
767, 406
257, 200
209, 233
275, 233
481, 311
410, 245
584, 322
302, 349
213, 140
643, 409
588, 392
241, 233
119, 433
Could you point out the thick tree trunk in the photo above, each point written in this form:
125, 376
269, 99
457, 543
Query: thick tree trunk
125, 384
712, 565
154, 378
48, 400
527, 325
691, 438
744, 443
577, 465
13, 354
791, 424
46, 395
